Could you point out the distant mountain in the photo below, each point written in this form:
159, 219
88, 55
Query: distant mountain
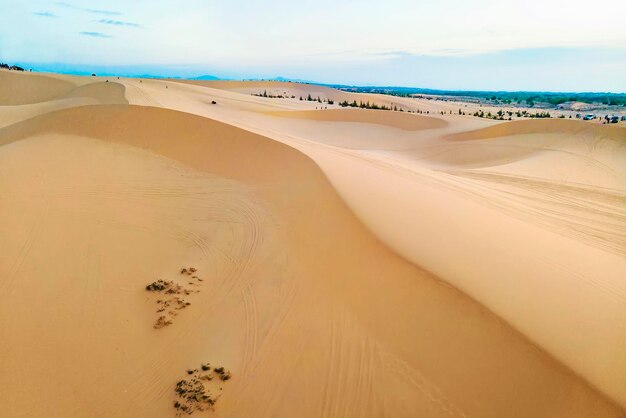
136, 75
285, 79
202, 77
205, 77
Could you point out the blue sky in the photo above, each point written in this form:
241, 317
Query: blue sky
556, 45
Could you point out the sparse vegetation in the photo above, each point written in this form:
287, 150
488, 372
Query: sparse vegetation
501, 114
284, 95
161, 322
270, 95
10, 67
192, 393
158, 286
519, 98
173, 302
364, 105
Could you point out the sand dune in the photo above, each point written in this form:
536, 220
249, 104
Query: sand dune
313, 314
278, 87
405, 121
26, 88
29, 95
300, 89
544, 126
557, 177
101, 91
18, 88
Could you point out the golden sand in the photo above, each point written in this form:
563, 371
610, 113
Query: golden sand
346, 263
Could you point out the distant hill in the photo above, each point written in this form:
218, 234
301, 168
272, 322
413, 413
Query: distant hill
292, 80
205, 77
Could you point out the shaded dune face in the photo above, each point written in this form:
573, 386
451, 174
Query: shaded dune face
33, 95
313, 315
404, 121
19, 89
26, 88
101, 91
157, 130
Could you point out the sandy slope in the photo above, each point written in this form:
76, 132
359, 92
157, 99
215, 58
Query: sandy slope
312, 313
560, 183
24, 88
24, 95
404, 121
536, 225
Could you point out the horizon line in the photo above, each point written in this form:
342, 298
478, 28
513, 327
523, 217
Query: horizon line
85, 73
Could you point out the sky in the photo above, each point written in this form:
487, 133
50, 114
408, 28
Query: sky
547, 45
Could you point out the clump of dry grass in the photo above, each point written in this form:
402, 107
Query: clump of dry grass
159, 286
192, 394
162, 322
172, 304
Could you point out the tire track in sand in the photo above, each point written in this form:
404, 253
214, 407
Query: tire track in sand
352, 371
251, 330
357, 370
31, 238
